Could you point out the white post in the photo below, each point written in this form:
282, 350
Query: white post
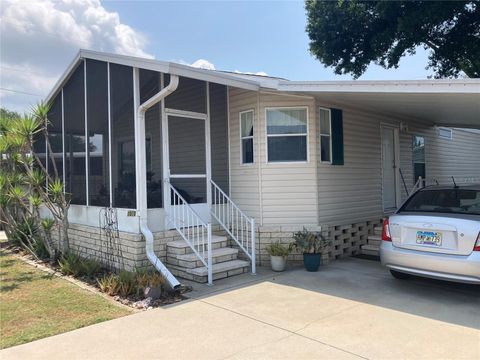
209, 253
254, 265
208, 155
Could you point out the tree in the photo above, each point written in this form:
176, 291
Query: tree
349, 35
26, 185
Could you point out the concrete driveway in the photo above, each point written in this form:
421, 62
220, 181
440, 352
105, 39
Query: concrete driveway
350, 309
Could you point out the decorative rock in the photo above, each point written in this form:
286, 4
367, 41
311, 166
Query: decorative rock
152, 292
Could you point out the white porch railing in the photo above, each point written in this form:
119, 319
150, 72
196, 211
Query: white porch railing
192, 228
418, 185
236, 223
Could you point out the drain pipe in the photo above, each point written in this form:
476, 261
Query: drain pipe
141, 168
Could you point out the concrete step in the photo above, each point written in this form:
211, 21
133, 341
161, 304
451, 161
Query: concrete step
180, 247
371, 250
219, 271
377, 230
374, 240
192, 261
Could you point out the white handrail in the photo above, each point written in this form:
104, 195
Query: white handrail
196, 232
236, 223
418, 185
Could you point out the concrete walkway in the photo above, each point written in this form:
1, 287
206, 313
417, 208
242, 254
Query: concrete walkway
351, 309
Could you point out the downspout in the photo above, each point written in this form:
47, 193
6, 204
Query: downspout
141, 168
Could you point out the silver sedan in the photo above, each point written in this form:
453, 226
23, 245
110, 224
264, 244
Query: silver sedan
436, 234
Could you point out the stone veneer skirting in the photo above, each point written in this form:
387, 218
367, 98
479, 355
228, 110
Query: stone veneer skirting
124, 250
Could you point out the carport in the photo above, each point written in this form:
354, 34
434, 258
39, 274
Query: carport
449, 103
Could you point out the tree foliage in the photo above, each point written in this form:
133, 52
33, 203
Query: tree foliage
26, 185
349, 35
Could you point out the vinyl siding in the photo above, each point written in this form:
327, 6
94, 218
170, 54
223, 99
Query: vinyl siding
288, 189
244, 179
315, 192
353, 192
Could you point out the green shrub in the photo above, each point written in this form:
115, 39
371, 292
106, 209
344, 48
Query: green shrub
24, 232
128, 283
39, 249
70, 264
277, 249
309, 242
109, 284
89, 267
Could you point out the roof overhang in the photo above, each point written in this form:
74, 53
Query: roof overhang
154, 65
453, 103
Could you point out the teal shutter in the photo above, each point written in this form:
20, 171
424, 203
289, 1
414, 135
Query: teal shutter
337, 137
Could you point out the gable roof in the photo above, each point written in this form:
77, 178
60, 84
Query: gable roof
443, 102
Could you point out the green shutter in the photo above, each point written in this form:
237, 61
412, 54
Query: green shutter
337, 137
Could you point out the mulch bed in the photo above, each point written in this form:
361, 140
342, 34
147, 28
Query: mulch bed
91, 284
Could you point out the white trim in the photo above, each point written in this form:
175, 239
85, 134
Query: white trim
463, 86
229, 144
325, 135
186, 114
87, 140
208, 157
396, 147
442, 128
110, 180
63, 142
240, 113
155, 65
306, 134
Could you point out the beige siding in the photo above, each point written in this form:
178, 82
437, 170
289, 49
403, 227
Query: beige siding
288, 189
244, 180
353, 192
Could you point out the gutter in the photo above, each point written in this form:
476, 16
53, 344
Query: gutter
141, 168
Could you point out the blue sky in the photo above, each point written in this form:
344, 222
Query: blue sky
39, 38
246, 36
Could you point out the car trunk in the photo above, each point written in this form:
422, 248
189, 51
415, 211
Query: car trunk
436, 233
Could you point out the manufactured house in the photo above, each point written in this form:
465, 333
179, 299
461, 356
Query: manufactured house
196, 171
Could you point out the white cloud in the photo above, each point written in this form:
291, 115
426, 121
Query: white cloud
203, 64
39, 39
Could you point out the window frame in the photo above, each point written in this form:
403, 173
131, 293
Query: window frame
306, 134
320, 135
246, 137
450, 137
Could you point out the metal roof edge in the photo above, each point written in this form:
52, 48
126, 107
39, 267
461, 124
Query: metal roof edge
154, 65
379, 86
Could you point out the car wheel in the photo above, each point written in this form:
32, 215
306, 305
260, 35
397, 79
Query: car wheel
399, 275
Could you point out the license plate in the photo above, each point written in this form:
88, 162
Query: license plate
429, 238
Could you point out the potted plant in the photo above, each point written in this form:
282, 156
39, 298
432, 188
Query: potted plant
311, 244
278, 255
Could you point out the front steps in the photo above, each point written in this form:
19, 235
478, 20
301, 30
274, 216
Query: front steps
182, 262
372, 247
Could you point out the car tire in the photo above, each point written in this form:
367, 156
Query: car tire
399, 275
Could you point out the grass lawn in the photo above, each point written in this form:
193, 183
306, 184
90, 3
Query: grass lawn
34, 304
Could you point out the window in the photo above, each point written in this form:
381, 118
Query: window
325, 136
445, 133
287, 134
246, 136
418, 155
455, 201
75, 143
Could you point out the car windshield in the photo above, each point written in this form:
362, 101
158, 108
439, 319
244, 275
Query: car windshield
455, 201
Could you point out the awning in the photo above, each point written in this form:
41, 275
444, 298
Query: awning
453, 103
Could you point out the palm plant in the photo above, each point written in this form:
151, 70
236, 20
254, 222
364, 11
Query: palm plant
25, 183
